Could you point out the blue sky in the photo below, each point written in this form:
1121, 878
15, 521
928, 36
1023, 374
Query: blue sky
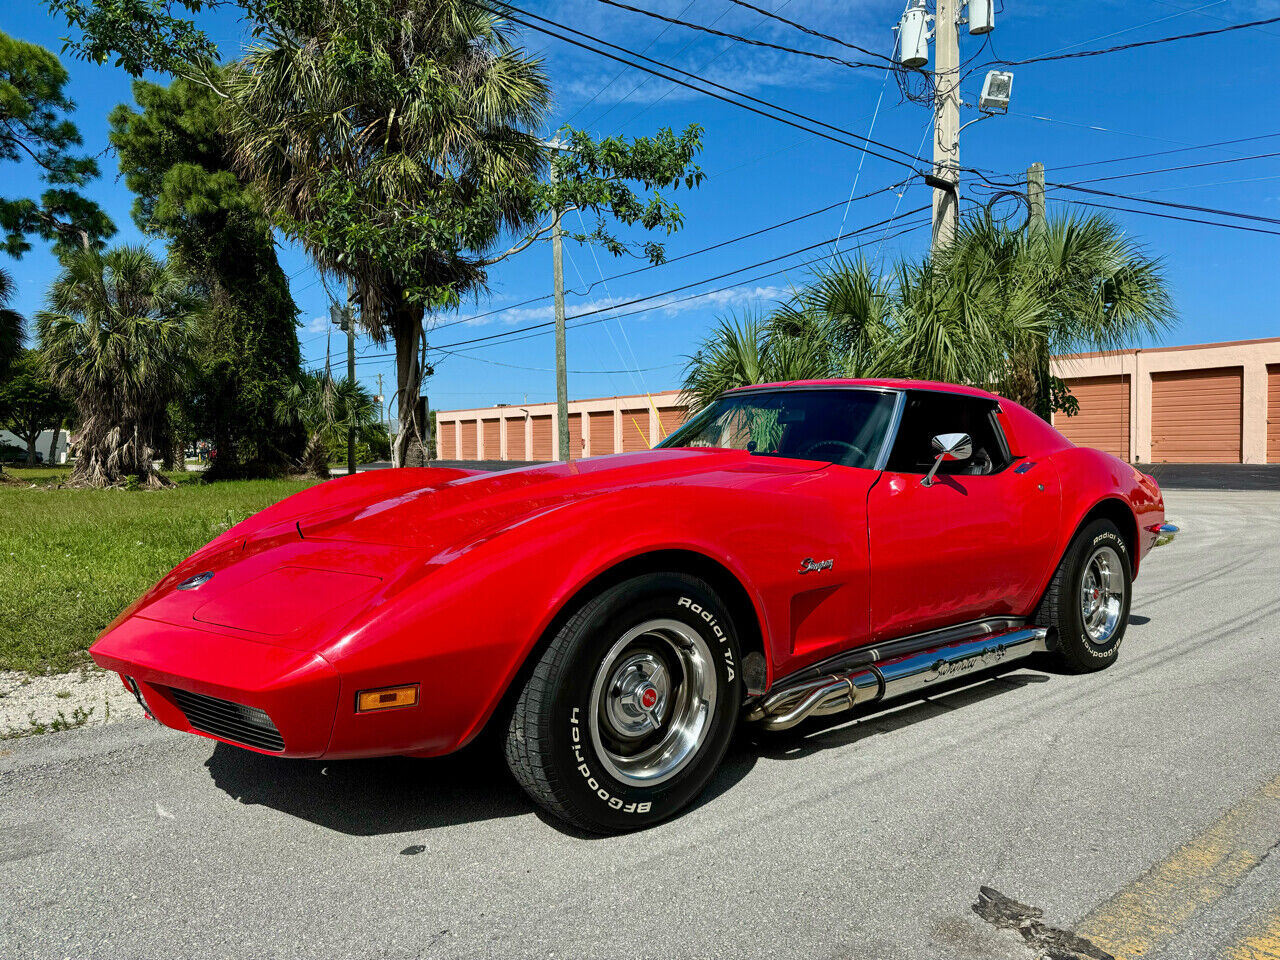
760, 172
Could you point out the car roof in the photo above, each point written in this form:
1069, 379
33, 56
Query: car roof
888, 383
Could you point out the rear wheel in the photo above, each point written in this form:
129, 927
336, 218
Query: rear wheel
1087, 603
629, 711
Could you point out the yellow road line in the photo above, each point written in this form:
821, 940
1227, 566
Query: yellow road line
1148, 913
1263, 943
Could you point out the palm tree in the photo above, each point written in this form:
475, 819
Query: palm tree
391, 137
11, 337
988, 311
1075, 283
114, 336
325, 408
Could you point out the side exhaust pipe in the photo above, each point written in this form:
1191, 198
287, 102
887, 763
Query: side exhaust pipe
892, 677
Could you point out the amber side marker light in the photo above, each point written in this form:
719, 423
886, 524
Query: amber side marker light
387, 698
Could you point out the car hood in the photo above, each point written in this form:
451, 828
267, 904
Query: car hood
441, 519
295, 574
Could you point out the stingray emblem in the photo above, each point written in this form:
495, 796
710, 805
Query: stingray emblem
810, 565
192, 582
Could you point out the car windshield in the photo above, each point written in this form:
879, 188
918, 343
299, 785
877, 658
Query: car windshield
844, 426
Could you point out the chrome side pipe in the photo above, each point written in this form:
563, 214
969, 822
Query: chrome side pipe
892, 677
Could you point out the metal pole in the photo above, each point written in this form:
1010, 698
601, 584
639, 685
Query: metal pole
946, 122
349, 316
1035, 196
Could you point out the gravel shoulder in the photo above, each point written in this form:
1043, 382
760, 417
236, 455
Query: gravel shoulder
31, 704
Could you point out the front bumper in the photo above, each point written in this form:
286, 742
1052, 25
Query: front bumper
215, 685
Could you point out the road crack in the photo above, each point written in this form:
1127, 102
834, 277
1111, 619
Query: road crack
1048, 942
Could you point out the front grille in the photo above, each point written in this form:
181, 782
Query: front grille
230, 721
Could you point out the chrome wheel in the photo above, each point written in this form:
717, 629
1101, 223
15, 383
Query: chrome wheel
1102, 595
652, 701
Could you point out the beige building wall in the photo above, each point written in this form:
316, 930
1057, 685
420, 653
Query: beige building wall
605, 421
1251, 356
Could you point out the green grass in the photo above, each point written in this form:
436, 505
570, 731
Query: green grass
70, 560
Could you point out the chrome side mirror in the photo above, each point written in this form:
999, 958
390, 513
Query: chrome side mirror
948, 446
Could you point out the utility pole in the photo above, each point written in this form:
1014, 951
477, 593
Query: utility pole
381, 405
1035, 196
350, 318
912, 51
557, 266
946, 122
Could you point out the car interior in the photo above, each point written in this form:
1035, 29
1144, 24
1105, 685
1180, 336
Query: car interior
928, 414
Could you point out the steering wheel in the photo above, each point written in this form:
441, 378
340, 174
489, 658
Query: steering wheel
857, 451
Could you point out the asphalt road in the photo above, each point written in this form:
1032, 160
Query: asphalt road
1136, 809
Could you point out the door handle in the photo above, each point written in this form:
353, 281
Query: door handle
1024, 466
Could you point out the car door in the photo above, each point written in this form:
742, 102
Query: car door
971, 544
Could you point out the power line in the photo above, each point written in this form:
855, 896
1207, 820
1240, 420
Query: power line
736, 38
517, 366
506, 334
618, 75
1162, 153
1136, 45
703, 65
1185, 166
1165, 203
683, 256
814, 33
506, 14
707, 293
1167, 216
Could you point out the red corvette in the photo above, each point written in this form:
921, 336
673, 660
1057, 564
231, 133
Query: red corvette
793, 550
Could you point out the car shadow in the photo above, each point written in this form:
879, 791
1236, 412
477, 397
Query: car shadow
391, 795
376, 796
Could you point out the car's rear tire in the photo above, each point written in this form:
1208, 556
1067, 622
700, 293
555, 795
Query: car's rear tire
631, 707
1086, 606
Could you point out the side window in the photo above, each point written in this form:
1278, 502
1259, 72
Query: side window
928, 414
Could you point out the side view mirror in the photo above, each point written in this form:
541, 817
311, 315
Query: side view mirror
948, 446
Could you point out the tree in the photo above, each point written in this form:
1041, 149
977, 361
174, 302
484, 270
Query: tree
11, 333
326, 409
114, 338
394, 139
987, 311
1094, 287
245, 351
30, 403
34, 127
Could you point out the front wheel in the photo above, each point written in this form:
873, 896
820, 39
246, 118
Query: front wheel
1087, 603
630, 709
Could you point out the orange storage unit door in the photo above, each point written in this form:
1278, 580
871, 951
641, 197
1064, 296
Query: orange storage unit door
515, 439
601, 422
635, 429
575, 436
1103, 420
492, 447
468, 432
671, 419
1196, 415
541, 438
1273, 413
448, 439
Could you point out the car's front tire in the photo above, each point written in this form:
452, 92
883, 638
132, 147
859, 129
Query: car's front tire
631, 707
1087, 603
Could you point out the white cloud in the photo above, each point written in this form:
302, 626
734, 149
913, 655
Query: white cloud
317, 325
734, 297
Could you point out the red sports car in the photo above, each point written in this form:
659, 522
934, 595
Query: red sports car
793, 550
